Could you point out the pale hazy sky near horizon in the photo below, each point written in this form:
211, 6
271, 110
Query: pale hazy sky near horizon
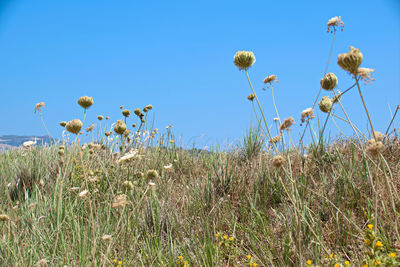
178, 56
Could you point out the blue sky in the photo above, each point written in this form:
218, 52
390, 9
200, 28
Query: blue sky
177, 56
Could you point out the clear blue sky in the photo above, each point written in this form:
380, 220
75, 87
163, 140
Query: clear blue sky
178, 56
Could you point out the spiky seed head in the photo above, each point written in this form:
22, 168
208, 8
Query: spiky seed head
244, 59
351, 60
335, 22
325, 104
278, 161
100, 117
85, 101
365, 74
251, 97
152, 174
128, 186
126, 113
329, 81
63, 123
137, 112
74, 126
120, 127
287, 123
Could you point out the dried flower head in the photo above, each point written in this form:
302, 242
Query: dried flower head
100, 117
83, 194
270, 79
74, 126
133, 125
374, 147
127, 132
365, 74
39, 106
129, 156
244, 59
85, 101
329, 81
379, 136
149, 107
4, 217
278, 161
138, 175
251, 97
107, 118
335, 22
61, 152
62, 147
120, 201
126, 113
106, 238
350, 61
63, 123
121, 107
108, 133
90, 128
286, 124
275, 139
152, 174
120, 127
325, 104
307, 113
128, 186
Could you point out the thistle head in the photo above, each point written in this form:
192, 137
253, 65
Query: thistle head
120, 127
74, 126
85, 102
351, 60
329, 81
244, 59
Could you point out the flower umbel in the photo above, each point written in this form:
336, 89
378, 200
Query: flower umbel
244, 59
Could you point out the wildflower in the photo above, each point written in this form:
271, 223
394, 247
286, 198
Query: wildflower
61, 152
255, 264
74, 126
168, 167
370, 226
374, 147
365, 74
28, 144
278, 161
128, 185
271, 78
231, 238
251, 97
336, 265
392, 255
307, 113
365, 265
138, 175
366, 241
126, 113
152, 174
335, 22
225, 237
244, 59
217, 234
379, 244
329, 81
248, 257
119, 201
107, 118
286, 124
83, 194
180, 257
107, 134
137, 112
106, 237
347, 263
85, 102
63, 123
325, 104
332, 255
120, 127
39, 106
350, 61
90, 128
309, 262
275, 139
4, 217
379, 136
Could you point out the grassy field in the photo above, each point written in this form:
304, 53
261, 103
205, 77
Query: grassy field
131, 197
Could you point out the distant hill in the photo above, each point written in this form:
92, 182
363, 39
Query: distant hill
14, 141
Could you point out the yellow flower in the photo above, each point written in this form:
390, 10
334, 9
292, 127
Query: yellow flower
255, 264
332, 255
392, 254
365, 265
370, 226
377, 262
309, 262
347, 263
217, 235
336, 265
366, 241
231, 238
114, 261
379, 244
225, 237
180, 257
249, 256
120, 263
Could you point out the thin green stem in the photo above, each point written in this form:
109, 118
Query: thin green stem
365, 107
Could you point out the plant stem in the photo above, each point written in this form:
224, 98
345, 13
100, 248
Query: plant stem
365, 107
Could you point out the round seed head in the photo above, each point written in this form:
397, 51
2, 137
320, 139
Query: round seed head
107, 118
152, 174
350, 61
133, 125
138, 175
63, 123
251, 97
61, 147
100, 117
244, 59
149, 107
137, 112
107, 134
126, 113
61, 152
85, 101
128, 186
120, 127
329, 81
325, 104
74, 126
374, 147
4, 217
145, 109
278, 161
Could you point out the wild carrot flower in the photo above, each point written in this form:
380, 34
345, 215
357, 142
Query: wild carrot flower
39, 106
329, 81
365, 74
244, 59
287, 123
335, 22
374, 147
325, 104
120, 201
307, 113
350, 61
